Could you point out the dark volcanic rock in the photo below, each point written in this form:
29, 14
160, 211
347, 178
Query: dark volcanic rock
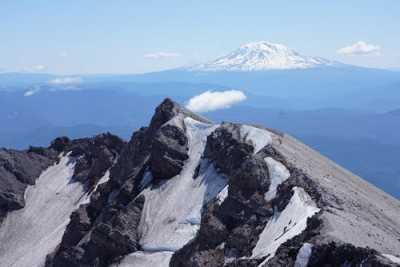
252, 176
244, 263
59, 144
113, 235
104, 229
225, 148
169, 109
169, 151
334, 254
94, 156
80, 224
194, 257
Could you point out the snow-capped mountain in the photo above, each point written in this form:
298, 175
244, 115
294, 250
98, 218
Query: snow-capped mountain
188, 192
258, 56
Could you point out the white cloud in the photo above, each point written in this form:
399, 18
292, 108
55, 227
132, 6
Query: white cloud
161, 55
35, 68
66, 81
32, 91
360, 48
64, 54
209, 101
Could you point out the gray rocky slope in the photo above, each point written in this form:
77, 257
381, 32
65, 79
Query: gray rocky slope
186, 192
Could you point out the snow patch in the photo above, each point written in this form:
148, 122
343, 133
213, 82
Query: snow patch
104, 179
66, 81
176, 121
172, 212
303, 255
140, 258
392, 258
31, 92
285, 225
37, 229
259, 138
278, 173
222, 195
146, 180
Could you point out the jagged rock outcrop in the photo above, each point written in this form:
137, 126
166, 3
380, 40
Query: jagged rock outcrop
18, 169
94, 156
169, 152
186, 192
107, 227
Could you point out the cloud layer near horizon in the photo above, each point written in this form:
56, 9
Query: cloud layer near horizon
360, 48
213, 100
65, 81
161, 55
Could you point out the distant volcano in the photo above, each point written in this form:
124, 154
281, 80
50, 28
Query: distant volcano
263, 55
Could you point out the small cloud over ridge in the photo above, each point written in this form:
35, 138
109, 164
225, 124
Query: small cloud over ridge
66, 81
35, 68
214, 100
32, 91
360, 48
161, 55
64, 54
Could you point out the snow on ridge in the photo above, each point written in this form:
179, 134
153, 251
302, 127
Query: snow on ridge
392, 258
222, 195
141, 258
37, 229
104, 179
259, 138
262, 55
172, 212
278, 174
31, 92
285, 225
303, 256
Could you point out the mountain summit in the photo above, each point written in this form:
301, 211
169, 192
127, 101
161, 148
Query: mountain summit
186, 192
257, 56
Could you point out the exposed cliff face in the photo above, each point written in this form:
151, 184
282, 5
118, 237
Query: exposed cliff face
187, 192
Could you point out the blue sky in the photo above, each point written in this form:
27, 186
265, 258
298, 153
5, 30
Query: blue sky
124, 36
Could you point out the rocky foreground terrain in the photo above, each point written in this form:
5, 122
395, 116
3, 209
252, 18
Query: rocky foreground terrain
187, 192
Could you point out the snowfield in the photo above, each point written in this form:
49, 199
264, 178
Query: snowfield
286, 224
37, 229
362, 209
222, 195
172, 212
259, 138
278, 173
392, 258
140, 258
303, 256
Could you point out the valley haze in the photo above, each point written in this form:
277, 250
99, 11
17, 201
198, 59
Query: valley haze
342, 110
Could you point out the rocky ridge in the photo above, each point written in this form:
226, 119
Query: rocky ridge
187, 192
